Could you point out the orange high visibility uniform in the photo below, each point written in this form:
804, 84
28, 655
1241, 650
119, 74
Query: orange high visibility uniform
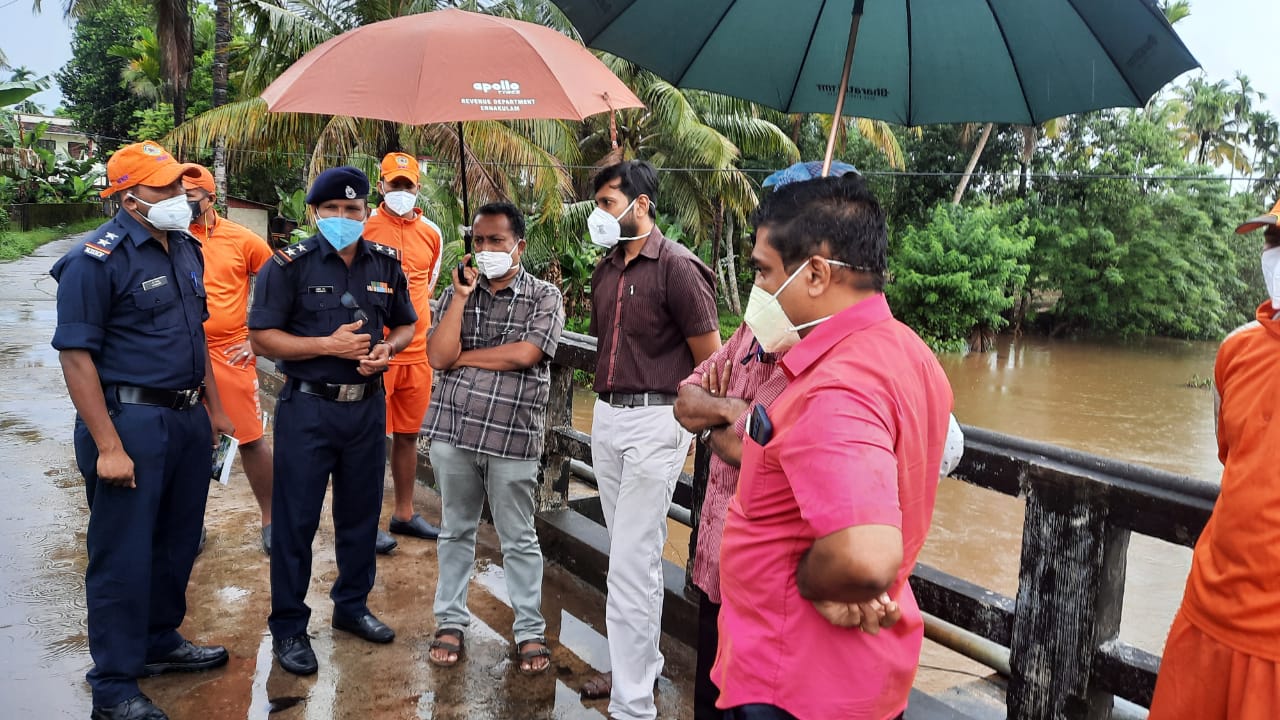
419, 242
1222, 659
232, 255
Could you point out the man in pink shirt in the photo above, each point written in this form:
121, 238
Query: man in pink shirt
839, 475
713, 402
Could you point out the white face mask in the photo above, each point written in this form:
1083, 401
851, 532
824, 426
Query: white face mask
169, 214
494, 265
400, 202
605, 229
1271, 275
768, 320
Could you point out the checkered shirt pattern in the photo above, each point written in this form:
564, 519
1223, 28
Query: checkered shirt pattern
499, 413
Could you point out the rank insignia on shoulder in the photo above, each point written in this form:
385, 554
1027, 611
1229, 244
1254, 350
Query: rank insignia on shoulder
386, 250
288, 254
379, 286
100, 248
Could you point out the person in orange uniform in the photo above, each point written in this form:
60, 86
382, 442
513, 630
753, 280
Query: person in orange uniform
232, 256
399, 223
1222, 658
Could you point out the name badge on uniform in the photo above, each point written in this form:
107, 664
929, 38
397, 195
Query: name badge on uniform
320, 289
154, 283
379, 287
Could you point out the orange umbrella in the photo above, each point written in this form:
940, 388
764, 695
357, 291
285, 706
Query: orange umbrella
450, 66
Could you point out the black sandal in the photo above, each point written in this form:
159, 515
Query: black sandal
455, 648
528, 656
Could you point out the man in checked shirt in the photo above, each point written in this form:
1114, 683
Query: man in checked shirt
495, 334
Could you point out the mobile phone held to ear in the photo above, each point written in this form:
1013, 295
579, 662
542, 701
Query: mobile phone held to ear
759, 427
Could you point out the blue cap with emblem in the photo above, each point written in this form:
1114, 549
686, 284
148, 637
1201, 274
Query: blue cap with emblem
340, 183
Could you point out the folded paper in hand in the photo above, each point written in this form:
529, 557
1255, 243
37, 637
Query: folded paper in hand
223, 457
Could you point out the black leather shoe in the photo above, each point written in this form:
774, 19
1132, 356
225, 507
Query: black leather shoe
266, 539
385, 543
366, 626
295, 654
188, 657
138, 707
415, 527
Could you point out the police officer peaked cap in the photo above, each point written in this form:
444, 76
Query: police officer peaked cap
340, 183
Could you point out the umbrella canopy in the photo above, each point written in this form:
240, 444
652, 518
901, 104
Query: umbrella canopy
450, 65
918, 62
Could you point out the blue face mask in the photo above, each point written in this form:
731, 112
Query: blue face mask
340, 231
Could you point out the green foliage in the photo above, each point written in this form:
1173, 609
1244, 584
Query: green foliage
92, 89
14, 245
960, 272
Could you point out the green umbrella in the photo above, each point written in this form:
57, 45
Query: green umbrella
919, 62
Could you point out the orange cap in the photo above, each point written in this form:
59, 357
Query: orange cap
203, 179
1270, 218
144, 163
400, 165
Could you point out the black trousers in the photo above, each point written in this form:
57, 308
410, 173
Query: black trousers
705, 692
316, 439
142, 541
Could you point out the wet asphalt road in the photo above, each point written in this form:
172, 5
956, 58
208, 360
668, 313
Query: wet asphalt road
43, 651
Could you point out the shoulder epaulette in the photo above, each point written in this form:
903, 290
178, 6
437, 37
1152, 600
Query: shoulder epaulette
385, 250
99, 248
289, 253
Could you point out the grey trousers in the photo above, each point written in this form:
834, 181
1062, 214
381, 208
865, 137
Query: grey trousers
465, 477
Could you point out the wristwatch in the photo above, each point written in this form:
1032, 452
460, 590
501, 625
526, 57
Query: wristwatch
705, 435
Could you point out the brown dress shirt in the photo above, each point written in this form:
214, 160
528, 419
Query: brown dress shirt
642, 312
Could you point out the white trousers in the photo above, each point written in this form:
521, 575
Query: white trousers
637, 455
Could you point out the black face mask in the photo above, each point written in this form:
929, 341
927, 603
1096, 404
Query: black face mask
196, 212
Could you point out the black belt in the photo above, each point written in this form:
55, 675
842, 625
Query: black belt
637, 399
339, 393
172, 399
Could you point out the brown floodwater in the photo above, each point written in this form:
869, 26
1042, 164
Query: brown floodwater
1130, 402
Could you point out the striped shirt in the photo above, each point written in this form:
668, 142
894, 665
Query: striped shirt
757, 378
644, 311
499, 413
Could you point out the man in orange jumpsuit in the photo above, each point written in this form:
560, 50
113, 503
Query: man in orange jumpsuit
1222, 659
232, 256
399, 223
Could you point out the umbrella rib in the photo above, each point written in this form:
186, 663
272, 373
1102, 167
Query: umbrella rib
706, 39
1136, 95
1022, 87
795, 84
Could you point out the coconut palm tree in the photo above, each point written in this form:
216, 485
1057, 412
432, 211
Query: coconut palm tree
175, 34
1205, 125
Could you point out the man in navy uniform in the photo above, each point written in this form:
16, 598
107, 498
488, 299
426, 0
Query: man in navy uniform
317, 309
130, 337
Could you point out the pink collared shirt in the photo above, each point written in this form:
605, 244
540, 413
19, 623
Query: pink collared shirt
857, 439
757, 380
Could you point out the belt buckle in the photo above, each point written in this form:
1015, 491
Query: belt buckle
350, 393
188, 398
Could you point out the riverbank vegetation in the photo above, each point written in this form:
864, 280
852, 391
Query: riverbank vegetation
1114, 223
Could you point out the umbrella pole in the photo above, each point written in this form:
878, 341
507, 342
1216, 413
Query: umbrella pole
843, 88
466, 207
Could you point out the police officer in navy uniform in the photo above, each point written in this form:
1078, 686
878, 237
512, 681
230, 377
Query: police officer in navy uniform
317, 310
130, 336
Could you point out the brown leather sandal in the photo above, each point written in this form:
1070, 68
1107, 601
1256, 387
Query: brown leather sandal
526, 657
600, 686
439, 643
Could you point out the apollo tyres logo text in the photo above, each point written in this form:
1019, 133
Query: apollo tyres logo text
498, 104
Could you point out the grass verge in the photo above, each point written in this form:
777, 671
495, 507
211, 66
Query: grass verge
15, 244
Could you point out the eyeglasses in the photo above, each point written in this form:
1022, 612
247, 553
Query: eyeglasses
349, 302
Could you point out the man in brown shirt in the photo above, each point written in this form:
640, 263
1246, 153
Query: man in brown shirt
654, 316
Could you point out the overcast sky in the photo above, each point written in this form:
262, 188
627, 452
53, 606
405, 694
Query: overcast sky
1214, 34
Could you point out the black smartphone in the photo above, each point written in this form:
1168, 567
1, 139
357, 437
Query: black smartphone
759, 427
466, 250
